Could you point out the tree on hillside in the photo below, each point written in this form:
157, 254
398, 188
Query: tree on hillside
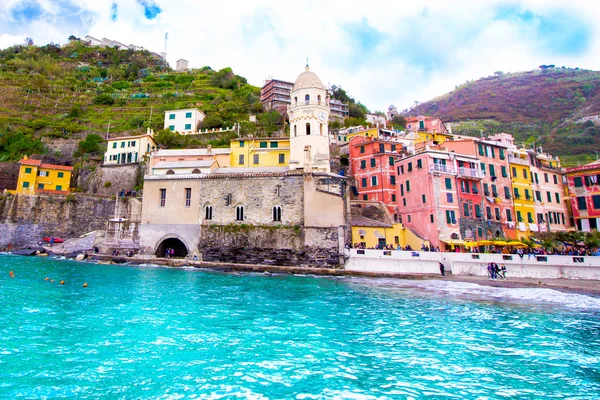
399, 122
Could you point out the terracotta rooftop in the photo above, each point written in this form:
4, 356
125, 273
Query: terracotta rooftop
38, 163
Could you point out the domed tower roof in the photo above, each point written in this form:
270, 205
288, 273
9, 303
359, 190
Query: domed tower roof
308, 79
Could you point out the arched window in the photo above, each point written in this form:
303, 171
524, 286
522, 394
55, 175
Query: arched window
295, 130
239, 213
307, 98
319, 99
308, 128
296, 99
170, 172
277, 214
321, 129
196, 171
208, 212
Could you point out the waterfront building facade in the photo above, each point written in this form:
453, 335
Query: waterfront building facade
584, 195
551, 201
129, 149
260, 152
498, 209
36, 177
523, 194
372, 164
184, 122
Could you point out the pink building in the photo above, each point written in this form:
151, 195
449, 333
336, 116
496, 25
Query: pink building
584, 194
428, 194
498, 209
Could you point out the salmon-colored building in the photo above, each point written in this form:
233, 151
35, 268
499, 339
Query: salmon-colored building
584, 194
372, 164
498, 210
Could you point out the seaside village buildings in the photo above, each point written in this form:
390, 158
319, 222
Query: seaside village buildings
275, 200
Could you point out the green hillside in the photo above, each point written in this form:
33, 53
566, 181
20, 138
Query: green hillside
51, 93
545, 106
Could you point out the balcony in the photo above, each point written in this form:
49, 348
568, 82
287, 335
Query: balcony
442, 168
469, 173
516, 160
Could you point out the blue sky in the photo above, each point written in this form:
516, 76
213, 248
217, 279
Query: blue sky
382, 53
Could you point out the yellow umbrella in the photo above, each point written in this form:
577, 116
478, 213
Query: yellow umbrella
515, 243
500, 243
484, 242
470, 244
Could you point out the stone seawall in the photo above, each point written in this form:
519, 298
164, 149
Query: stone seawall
25, 219
270, 245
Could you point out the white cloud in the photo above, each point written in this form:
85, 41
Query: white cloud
10, 40
424, 48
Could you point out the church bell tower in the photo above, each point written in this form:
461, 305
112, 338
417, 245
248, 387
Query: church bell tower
309, 131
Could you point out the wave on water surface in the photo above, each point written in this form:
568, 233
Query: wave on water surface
476, 292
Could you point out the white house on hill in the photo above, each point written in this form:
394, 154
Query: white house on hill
184, 121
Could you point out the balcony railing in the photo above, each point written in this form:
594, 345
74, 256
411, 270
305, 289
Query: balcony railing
442, 168
307, 103
517, 160
469, 172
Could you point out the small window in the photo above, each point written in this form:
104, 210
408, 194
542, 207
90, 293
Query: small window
188, 197
188, 114
274, 145
241, 159
61, 174
393, 180
40, 185
188, 127
170, 172
242, 143
263, 145
408, 218
277, 214
239, 213
448, 183
578, 181
27, 170
365, 197
555, 179
362, 149
25, 184
549, 197
373, 181
492, 169
419, 163
282, 158
255, 159
208, 212
373, 162
596, 201
449, 198
59, 188
497, 213
308, 128
424, 198
122, 145
391, 161
363, 182
163, 197
171, 116
115, 144
409, 167
431, 218
363, 164
393, 197
508, 215
408, 186
581, 203
171, 127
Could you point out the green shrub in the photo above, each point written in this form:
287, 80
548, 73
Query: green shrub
104, 99
91, 144
107, 184
120, 85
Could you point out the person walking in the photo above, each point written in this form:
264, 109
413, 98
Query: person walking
442, 269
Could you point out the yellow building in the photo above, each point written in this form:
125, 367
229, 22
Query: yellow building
260, 152
523, 193
371, 233
35, 177
345, 135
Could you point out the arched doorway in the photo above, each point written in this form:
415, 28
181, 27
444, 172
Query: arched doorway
172, 243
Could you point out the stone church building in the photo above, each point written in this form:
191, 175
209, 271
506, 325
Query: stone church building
292, 215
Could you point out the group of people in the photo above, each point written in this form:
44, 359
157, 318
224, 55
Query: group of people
495, 272
408, 247
169, 253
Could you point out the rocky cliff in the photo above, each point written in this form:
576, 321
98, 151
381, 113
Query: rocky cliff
25, 219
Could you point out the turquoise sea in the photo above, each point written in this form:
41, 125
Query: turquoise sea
148, 332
